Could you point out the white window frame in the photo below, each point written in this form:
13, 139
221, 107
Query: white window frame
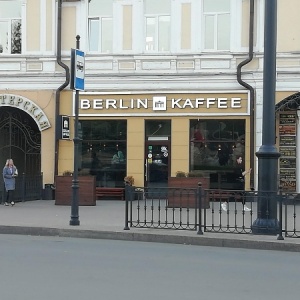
100, 19
155, 44
8, 22
215, 16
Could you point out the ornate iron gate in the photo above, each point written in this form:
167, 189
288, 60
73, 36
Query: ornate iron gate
21, 141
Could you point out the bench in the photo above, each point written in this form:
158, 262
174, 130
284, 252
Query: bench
109, 192
224, 195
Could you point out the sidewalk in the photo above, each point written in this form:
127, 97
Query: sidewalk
106, 220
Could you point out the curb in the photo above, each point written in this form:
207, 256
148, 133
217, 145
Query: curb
198, 240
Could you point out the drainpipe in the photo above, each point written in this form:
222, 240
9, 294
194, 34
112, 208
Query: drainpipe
250, 88
64, 85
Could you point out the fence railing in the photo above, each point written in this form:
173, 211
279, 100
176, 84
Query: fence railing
222, 211
28, 187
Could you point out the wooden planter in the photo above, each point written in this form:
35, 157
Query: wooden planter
180, 198
86, 191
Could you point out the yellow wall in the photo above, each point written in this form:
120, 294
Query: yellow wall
49, 25
66, 147
33, 25
180, 145
288, 26
68, 28
186, 26
127, 27
136, 149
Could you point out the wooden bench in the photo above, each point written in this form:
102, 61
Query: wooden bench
109, 192
216, 195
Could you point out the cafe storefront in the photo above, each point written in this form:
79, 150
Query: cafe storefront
153, 135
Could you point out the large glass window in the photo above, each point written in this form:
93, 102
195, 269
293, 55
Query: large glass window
157, 23
100, 25
103, 151
215, 145
10, 27
216, 18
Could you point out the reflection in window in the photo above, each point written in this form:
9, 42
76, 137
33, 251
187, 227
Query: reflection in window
157, 22
216, 15
158, 128
10, 27
214, 146
93, 34
100, 26
104, 151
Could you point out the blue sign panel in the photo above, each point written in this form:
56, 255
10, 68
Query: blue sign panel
79, 70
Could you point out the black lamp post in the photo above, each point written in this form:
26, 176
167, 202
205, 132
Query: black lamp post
75, 184
267, 222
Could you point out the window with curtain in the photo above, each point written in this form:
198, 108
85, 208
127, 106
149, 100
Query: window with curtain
157, 25
216, 24
103, 151
100, 26
10, 27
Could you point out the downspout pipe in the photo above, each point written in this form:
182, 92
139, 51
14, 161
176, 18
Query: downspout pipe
63, 86
251, 90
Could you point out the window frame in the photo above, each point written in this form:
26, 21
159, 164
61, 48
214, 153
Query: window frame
215, 16
100, 43
9, 22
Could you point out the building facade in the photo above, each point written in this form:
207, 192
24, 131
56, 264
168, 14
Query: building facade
170, 85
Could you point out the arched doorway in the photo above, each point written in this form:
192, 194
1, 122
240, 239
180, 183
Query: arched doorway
291, 102
20, 140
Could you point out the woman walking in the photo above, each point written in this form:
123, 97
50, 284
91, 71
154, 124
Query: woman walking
9, 173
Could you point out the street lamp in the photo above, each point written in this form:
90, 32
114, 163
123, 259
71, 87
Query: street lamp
267, 222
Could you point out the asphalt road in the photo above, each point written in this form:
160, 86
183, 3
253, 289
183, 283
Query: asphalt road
35, 268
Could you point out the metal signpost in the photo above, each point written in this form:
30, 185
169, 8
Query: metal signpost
77, 84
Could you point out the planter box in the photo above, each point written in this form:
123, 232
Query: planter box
86, 191
181, 198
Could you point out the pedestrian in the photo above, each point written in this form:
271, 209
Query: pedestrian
10, 172
240, 179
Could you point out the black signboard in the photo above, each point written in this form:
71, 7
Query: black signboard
285, 162
288, 185
287, 148
287, 129
287, 140
287, 119
288, 174
288, 151
65, 127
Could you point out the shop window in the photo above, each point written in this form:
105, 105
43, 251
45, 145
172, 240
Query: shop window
100, 26
10, 27
214, 147
216, 18
103, 151
157, 23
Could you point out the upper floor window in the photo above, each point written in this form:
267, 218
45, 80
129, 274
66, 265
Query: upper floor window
10, 27
100, 25
157, 25
216, 18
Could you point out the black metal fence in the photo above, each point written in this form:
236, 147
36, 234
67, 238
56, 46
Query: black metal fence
222, 211
28, 187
